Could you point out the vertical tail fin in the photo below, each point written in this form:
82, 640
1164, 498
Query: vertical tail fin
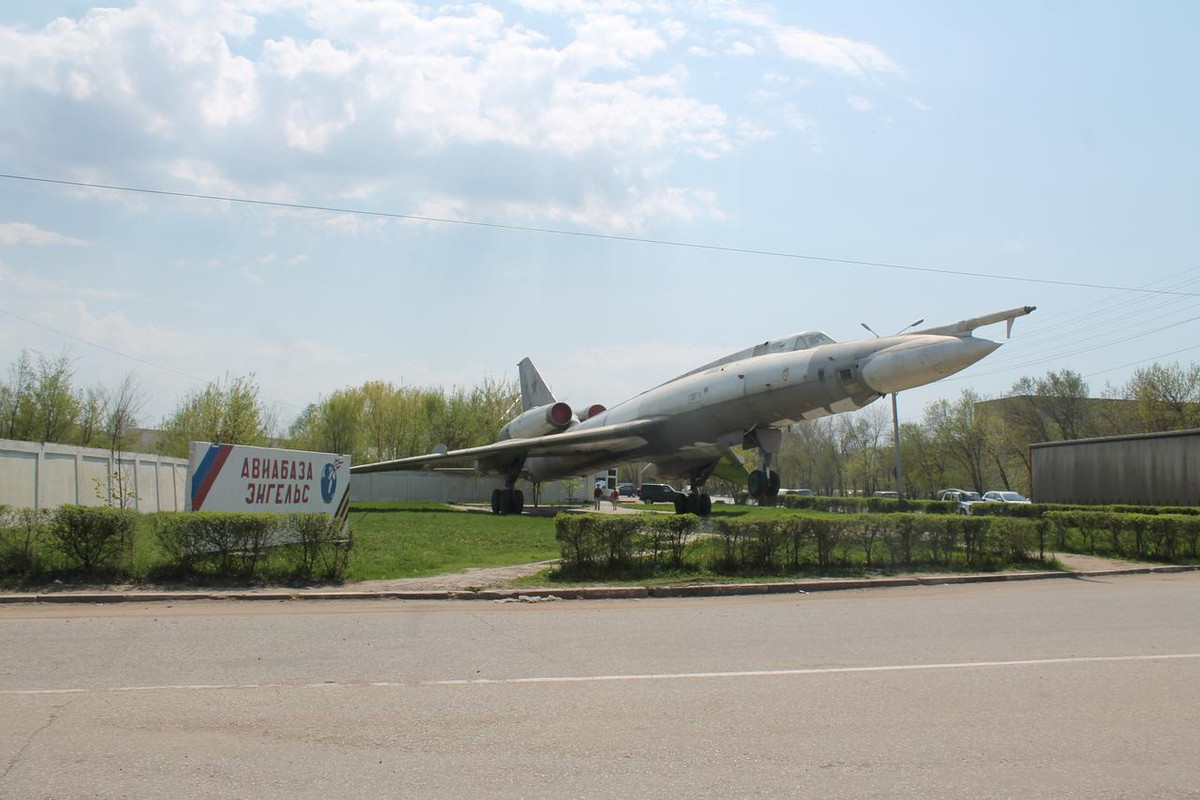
534, 392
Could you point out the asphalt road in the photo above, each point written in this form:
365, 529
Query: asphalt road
1065, 688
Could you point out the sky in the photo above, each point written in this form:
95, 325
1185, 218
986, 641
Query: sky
619, 190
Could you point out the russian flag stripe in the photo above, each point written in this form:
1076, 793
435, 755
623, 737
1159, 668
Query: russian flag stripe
207, 472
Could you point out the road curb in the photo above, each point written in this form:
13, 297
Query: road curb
585, 592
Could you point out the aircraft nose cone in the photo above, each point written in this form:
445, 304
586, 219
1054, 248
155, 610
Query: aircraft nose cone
922, 360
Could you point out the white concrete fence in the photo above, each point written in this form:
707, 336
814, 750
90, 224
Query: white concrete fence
34, 475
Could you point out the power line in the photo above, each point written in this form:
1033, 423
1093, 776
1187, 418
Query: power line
108, 349
1143, 361
591, 235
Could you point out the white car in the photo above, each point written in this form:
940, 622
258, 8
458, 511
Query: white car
964, 498
1005, 497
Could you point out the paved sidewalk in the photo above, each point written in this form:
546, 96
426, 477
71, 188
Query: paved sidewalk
488, 584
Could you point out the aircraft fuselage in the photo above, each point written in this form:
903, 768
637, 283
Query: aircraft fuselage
711, 410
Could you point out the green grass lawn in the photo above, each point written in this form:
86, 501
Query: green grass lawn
408, 540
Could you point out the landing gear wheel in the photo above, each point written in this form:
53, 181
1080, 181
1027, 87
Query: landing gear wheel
681, 504
772, 488
497, 499
518, 501
757, 483
698, 504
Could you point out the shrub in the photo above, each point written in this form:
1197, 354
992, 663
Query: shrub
21, 531
323, 546
239, 544
92, 538
668, 538
578, 540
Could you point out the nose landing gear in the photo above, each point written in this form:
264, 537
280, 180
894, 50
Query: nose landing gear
764, 482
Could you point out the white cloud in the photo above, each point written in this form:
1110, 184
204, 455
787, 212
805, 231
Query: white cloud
859, 103
342, 96
751, 131
24, 233
36, 288
835, 53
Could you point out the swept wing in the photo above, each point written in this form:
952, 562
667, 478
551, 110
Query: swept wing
577, 441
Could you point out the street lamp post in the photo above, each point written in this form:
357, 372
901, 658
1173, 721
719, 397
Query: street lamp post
896, 416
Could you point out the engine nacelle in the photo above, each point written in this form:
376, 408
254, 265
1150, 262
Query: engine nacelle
591, 411
539, 421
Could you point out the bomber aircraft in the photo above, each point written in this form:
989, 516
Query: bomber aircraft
688, 426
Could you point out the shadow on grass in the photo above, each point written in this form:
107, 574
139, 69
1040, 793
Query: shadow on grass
414, 507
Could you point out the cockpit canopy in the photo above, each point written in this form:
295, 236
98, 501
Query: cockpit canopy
795, 341
792, 342
811, 339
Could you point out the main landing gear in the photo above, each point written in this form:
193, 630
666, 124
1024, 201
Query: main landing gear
693, 503
508, 501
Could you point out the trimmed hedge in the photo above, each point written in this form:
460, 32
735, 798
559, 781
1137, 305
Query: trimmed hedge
219, 543
592, 544
99, 543
870, 505
1161, 537
1037, 510
596, 546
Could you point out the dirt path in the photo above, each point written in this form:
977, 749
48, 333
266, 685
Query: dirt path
486, 577
476, 578
1077, 562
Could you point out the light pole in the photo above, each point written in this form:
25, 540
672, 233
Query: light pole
896, 415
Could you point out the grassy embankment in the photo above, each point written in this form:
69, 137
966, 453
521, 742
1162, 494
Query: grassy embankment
408, 540
405, 540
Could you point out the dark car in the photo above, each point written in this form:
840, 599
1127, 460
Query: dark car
658, 493
627, 489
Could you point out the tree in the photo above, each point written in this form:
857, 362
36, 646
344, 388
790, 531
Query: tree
93, 412
862, 435
962, 433
122, 408
1167, 397
16, 402
54, 405
226, 411
924, 461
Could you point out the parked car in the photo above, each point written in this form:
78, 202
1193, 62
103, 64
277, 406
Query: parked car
627, 489
885, 493
658, 493
799, 492
1006, 497
964, 498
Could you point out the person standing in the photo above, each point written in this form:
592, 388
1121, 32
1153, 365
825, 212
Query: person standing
596, 495
616, 498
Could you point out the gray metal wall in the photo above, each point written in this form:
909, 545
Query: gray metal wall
1151, 469
34, 475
